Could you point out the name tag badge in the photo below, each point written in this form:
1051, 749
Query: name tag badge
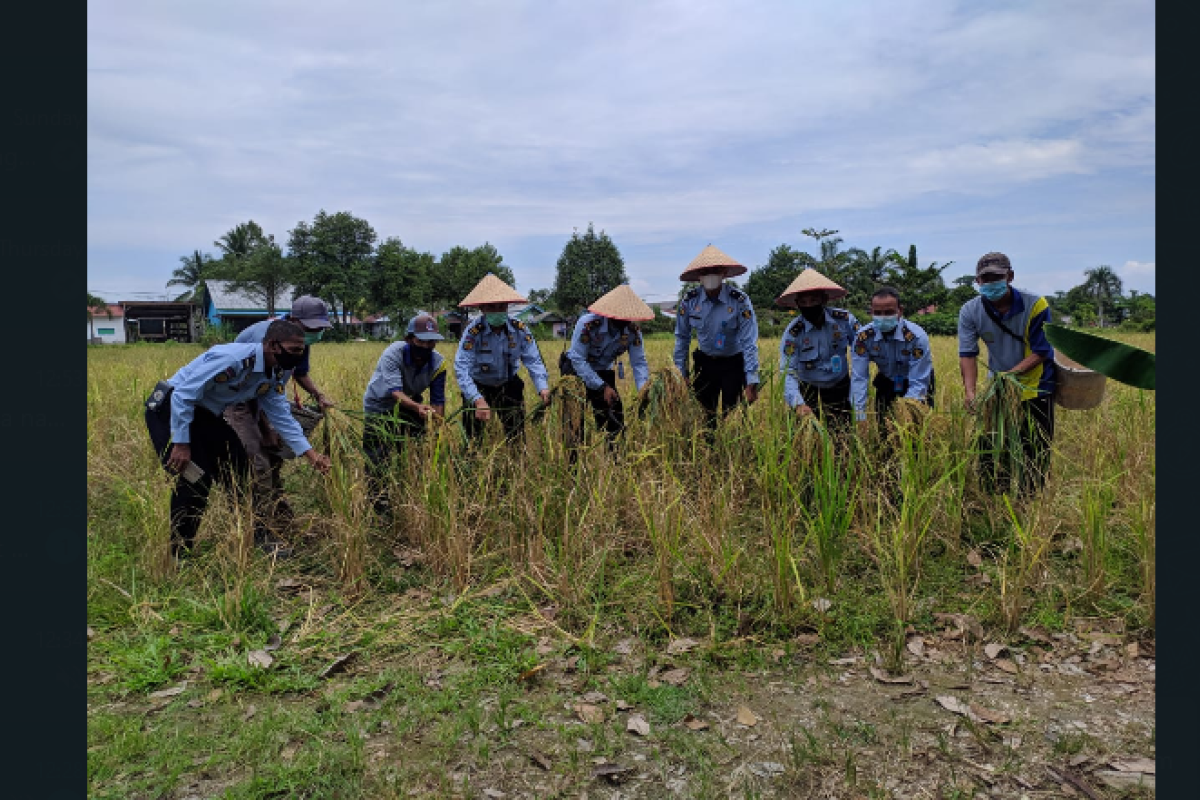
720, 343
835, 363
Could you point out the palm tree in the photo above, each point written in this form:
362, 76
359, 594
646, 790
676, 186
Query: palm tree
240, 240
195, 269
96, 305
1102, 284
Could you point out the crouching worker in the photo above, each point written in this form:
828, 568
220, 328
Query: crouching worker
184, 419
900, 350
602, 336
394, 401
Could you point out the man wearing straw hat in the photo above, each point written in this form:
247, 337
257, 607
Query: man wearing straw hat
726, 355
900, 350
489, 356
393, 404
814, 349
1011, 321
601, 337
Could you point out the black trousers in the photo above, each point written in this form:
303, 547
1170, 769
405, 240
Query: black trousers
610, 419
886, 393
831, 404
506, 401
218, 451
718, 378
385, 436
1037, 435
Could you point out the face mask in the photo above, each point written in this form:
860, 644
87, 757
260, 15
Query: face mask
995, 290
419, 355
496, 319
886, 324
813, 314
312, 338
711, 282
288, 360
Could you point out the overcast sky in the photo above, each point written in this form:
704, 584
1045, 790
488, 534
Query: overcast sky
958, 127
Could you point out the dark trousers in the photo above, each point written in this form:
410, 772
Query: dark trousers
384, 437
831, 404
717, 378
610, 419
1037, 435
217, 450
886, 393
506, 401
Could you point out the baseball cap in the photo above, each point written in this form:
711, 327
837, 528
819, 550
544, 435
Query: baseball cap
310, 312
424, 327
992, 264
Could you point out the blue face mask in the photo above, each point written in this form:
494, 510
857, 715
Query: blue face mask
993, 291
496, 319
886, 324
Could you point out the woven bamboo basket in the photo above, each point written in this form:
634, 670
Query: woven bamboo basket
1079, 388
309, 418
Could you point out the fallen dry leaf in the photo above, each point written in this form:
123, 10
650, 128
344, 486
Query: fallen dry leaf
260, 658
172, 692
1143, 765
495, 794
529, 673
694, 723
637, 724
680, 646
883, 677
613, 772
916, 646
993, 649
213, 696
675, 677
623, 647
544, 647
407, 556
274, 643
746, 717
807, 639
92, 634
953, 705
571, 664
1007, 665
590, 714
965, 623
1035, 634
623, 706
355, 705
822, 604
594, 697
289, 752
989, 715
541, 759
418, 595
974, 559
289, 584
337, 665
250, 712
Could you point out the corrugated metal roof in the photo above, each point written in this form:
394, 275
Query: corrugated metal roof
225, 299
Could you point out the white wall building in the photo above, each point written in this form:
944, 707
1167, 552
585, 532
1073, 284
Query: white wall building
108, 331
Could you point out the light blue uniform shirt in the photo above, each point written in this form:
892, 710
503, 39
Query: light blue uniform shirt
596, 345
903, 353
724, 327
816, 355
258, 331
493, 357
232, 373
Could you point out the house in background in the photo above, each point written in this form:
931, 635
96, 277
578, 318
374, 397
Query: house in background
107, 328
157, 321
556, 321
223, 305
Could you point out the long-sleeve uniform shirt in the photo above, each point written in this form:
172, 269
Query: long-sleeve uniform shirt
232, 373
901, 355
492, 357
724, 327
258, 331
808, 354
596, 344
1029, 312
396, 372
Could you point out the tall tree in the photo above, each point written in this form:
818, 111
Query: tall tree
864, 272
191, 273
542, 297
590, 266
768, 281
400, 280
240, 240
1103, 285
333, 257
919, 286
96, 305
460, 269
262, 273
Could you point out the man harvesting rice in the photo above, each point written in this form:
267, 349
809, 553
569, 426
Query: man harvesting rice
899, 348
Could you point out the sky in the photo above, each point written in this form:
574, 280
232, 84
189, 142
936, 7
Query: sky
960, 127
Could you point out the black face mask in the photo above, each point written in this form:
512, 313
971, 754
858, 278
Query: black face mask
419, 355
814, 314
288, 360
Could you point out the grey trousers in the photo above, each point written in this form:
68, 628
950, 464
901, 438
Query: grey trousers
266, 452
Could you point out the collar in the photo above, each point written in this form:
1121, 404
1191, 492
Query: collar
260, 358
897, 332
808, 326
722, 295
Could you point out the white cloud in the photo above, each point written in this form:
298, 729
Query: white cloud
1137, 268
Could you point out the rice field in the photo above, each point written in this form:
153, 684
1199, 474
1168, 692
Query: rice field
775, 531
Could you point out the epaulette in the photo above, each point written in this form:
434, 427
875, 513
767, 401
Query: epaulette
520, 325
692, 293
737, 295
595, 323
838, 313
248, 361
476, 328
795, 327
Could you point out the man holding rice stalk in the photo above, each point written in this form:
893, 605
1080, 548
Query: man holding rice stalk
726, 355
814, 349
1018, 405
899, 349
601, 336
184, 419
489, 356
393, 404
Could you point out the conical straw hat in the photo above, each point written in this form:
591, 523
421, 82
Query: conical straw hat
809, 281
491, 290
622, 303
711, 257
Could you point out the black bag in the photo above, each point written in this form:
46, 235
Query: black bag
565, 367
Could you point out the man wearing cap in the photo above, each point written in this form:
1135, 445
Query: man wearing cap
264, 447
394, 405
184, 419
601, 336
726, 356
1011, 321
900, 350
489, 356
813, 355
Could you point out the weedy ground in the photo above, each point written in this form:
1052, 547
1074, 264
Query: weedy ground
779, 613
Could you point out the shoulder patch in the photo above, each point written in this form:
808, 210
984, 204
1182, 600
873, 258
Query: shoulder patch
468, 344
692, 293
864, 333
737, 295
795, 327
746, 313
476, 328
520, 325
909, 335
